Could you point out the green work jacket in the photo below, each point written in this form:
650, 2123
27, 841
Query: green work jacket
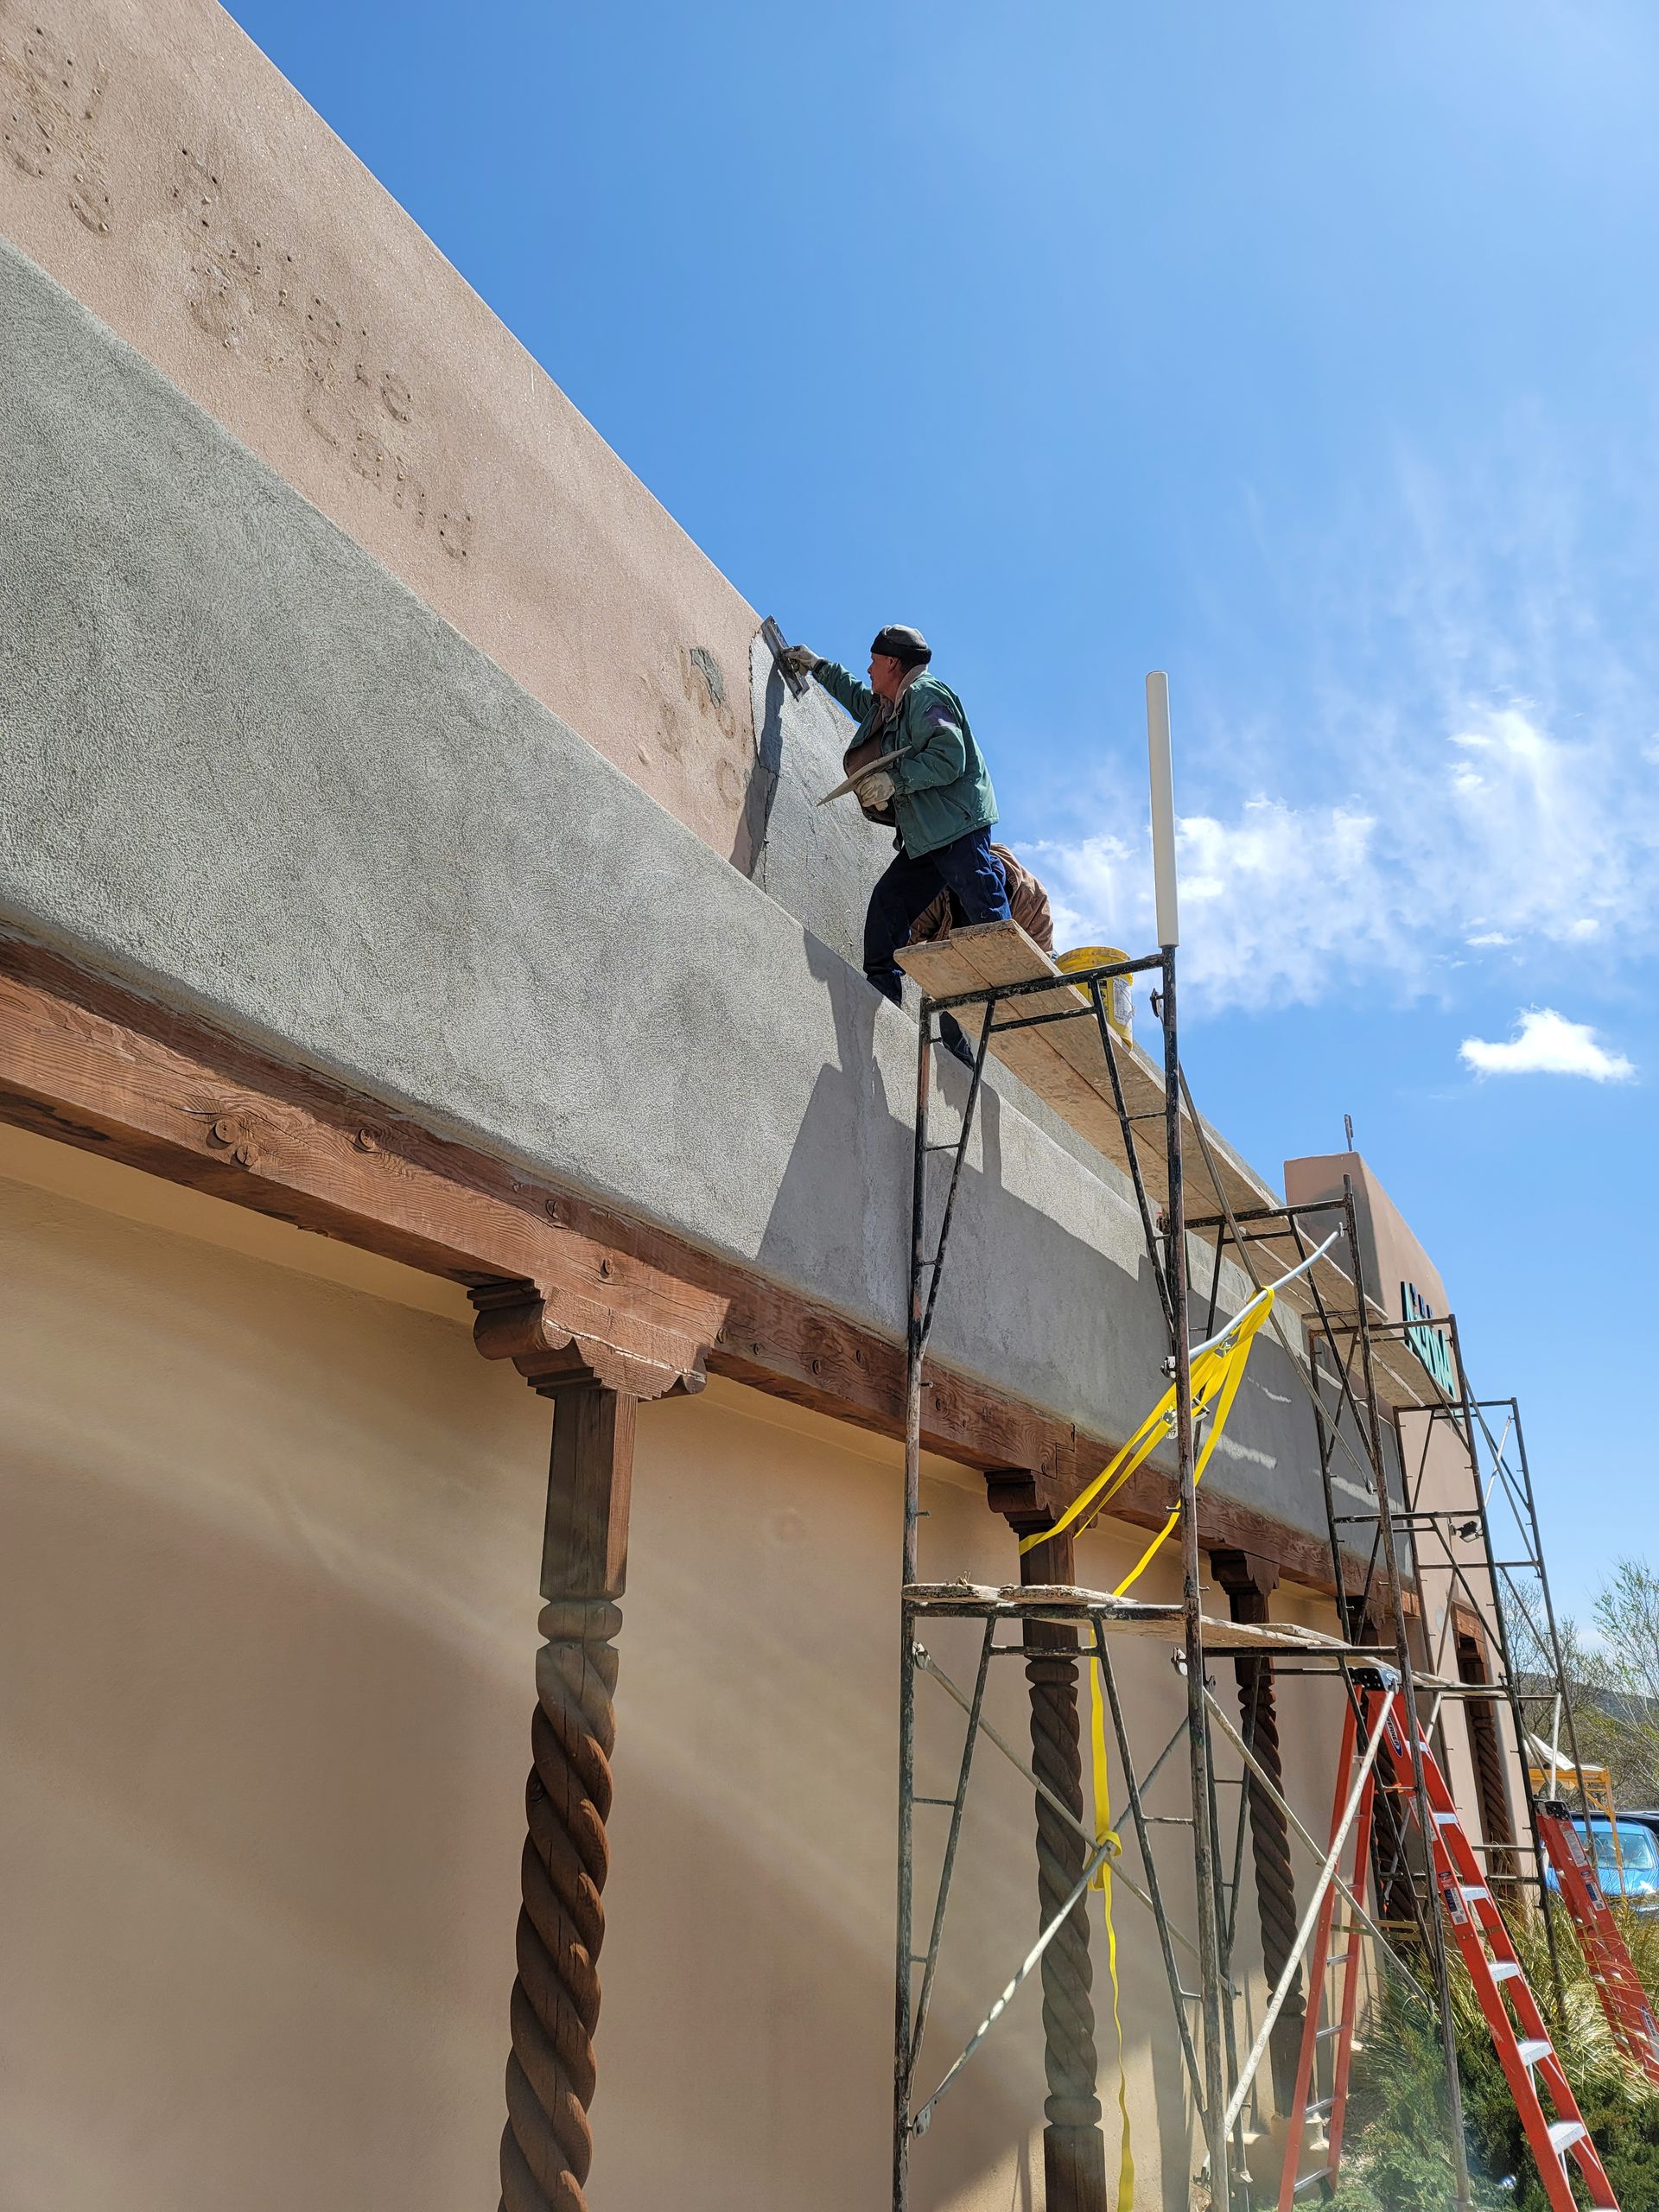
942, 789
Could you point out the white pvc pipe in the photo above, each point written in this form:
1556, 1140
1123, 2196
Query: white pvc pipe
1163, 808
1310, 1918
1245, 1311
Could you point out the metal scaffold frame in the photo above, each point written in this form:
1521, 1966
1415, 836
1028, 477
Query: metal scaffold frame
1335, 1360
1220, 2085
927, 1275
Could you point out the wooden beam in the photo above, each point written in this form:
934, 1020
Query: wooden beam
93, 1064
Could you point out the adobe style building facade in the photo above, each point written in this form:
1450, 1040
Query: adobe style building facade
420, 941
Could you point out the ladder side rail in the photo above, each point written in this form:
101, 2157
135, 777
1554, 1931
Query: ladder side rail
1352, 1975
1524, 2047
1624, 1997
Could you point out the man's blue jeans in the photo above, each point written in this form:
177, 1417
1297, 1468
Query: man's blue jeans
969, 871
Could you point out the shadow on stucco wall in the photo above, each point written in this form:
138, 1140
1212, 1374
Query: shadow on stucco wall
749, 846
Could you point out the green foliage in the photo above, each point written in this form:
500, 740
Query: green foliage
1396, 2157
1615, 1681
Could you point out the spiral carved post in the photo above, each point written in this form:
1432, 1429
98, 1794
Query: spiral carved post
1249, 1582
547, 2146
1492, 1781
1074, 2150
595, 1385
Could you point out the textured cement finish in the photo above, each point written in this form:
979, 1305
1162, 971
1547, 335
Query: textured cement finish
248, 769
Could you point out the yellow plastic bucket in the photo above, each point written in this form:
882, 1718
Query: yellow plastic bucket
1118, 994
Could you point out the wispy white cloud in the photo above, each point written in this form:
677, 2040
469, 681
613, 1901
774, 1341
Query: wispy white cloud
1470, 765
1546, 1043
1499, 834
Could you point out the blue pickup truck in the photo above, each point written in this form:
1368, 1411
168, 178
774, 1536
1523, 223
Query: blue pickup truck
1637, 1883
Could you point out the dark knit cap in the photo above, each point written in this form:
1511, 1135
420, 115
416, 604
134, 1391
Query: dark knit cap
908, 647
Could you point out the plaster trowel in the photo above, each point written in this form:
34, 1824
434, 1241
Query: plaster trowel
864, 767
775, 643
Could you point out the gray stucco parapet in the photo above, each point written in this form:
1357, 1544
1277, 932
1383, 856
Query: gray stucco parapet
246, 769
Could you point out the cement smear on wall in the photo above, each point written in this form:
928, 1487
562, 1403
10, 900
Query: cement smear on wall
249, 770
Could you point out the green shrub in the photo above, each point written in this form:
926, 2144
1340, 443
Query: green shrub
1395, 2156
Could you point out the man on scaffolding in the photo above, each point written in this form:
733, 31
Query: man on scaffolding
915, 768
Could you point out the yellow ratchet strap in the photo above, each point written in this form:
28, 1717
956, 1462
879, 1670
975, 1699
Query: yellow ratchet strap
1102, 1882
1216, 1378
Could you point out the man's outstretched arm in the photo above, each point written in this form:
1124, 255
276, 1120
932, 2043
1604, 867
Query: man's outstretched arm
843, 686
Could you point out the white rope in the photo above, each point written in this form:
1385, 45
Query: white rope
1268, 1289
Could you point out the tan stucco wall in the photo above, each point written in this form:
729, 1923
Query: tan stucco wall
267, 1591
168, 174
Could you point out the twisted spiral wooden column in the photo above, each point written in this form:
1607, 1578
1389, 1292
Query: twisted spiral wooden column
1491, 1781
1249, 1582
596, 1386
1074, 2150
548, 2147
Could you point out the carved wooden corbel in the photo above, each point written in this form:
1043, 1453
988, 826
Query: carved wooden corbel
554, 1337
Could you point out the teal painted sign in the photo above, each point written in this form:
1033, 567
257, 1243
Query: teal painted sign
1426, 1341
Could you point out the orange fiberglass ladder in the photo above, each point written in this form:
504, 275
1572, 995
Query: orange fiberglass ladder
1524, 2050
1618, 1984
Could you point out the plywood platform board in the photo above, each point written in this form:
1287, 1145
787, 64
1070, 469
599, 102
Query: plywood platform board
1064, 1064
1061, 1603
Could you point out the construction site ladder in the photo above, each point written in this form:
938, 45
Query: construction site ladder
1618, 1984
1557, 2136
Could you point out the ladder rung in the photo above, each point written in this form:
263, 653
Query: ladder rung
1506, 1970
1309, 2181
1335, 2029
1564, 2133
1535, 2049
1337, 1959
1449, 1821
1474, 1892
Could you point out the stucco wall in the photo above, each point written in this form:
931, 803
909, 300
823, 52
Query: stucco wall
267, 1600
167, 174
248, 769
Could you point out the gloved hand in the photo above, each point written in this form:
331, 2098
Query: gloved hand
799, 660
875, 791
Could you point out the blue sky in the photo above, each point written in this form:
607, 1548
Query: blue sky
1310, 353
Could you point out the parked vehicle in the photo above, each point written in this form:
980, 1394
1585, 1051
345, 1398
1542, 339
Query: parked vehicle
1635, 1881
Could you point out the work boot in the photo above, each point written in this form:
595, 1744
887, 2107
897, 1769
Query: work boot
954, 1042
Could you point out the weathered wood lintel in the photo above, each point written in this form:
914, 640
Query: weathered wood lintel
88, 1062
